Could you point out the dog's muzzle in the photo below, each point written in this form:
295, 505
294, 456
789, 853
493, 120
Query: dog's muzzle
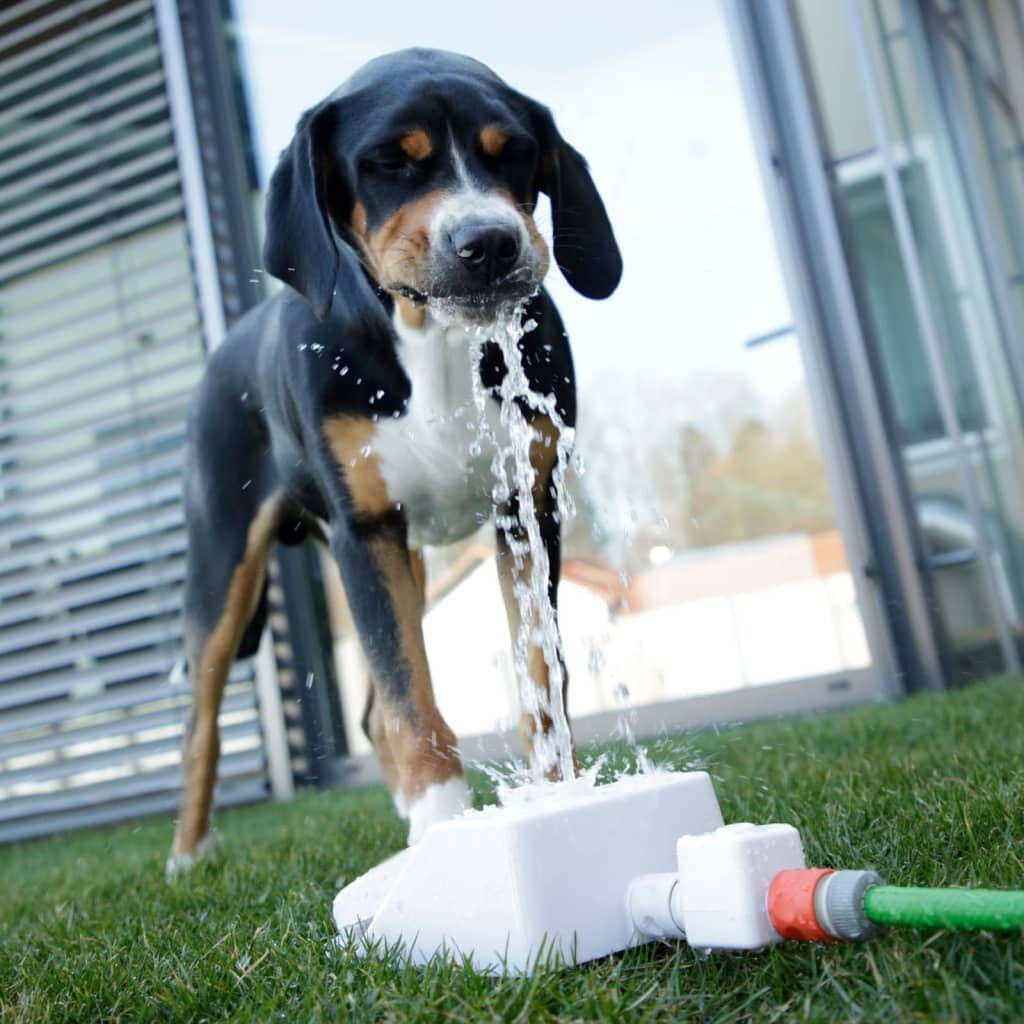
482, 259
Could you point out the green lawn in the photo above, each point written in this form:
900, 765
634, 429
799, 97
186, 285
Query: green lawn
928, 792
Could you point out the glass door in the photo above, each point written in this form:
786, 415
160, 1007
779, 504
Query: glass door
921, 120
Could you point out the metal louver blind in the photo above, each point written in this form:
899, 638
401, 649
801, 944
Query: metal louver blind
100, 348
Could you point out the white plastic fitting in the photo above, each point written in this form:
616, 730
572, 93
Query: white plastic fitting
652, 903
719, 898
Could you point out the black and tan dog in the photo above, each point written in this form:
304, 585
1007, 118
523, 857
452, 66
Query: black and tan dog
345, 399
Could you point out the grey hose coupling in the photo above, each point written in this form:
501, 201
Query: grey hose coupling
839, 904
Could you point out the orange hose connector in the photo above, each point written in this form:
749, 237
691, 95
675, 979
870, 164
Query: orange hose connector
791, 904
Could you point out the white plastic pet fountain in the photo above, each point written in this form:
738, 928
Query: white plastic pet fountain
575, 871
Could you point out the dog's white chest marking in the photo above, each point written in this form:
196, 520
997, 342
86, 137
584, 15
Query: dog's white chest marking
434, 460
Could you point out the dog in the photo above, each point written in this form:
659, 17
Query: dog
408, 191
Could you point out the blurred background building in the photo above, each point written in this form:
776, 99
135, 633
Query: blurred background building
810, 493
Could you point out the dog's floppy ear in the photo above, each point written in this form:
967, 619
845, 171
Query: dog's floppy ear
300, 247
585, 248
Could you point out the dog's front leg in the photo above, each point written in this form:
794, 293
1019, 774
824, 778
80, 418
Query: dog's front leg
515, 570
387, 607
383, 584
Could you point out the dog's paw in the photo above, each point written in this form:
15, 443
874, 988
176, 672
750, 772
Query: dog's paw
401, 807
208, 848
437, 803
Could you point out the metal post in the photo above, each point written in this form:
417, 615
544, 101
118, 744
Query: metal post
926, 324
275, 737
186, 142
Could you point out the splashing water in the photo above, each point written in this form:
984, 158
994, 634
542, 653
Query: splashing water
515, 782
625, 730
514, 474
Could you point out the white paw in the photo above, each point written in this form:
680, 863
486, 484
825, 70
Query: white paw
206, 849
401, 807
438, 803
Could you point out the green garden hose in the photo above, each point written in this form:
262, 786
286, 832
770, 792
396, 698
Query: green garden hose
971, 909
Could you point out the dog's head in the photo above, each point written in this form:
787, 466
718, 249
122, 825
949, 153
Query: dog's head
425, 167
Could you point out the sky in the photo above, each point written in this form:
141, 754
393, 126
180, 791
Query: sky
648, 92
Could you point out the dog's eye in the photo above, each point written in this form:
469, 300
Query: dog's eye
391, 162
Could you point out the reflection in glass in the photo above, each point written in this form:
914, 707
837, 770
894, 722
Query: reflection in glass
974, 347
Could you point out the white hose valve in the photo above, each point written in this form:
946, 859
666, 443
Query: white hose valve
719, 897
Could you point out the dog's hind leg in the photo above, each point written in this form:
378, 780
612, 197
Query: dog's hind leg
224, 583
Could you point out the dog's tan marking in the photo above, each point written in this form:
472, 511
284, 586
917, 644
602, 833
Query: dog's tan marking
543, 456
416, 144
210, 661
419, 574
351, 442
540, 247
399, 249
358, 219
413, 316
493, 140
375, 727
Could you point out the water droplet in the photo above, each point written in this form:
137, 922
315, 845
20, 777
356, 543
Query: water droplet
365, 451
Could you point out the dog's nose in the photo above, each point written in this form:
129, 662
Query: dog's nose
486, 249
